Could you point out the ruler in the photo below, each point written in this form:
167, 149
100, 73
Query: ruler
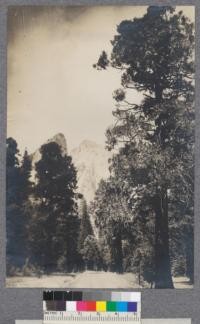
94, 317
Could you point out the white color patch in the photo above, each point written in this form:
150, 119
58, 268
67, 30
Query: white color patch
71, 306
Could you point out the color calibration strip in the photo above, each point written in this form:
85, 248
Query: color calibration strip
90, 306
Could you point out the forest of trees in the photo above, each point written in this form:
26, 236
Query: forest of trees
144, 213
46, 230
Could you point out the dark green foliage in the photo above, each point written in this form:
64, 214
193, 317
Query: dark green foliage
102, 62
25, 174
154, 52
14, 215
113, 220
43, 218
12, 171
91, 254
54, 226
56, 177
12, 193
25, 192
155, 139
108, 223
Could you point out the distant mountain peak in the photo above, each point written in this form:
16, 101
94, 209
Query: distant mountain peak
91, 162
58, 136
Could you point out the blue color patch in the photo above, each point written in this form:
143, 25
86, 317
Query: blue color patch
132, 307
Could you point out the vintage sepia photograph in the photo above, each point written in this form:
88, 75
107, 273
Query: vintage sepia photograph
100, 147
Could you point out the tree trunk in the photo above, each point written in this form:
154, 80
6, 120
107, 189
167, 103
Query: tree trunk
116, 252
119, 254
163, 277
189, 249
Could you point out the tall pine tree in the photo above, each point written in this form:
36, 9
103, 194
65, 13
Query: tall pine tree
155, 138
55, 225
25, 173
18, 190
14, 221
25, 193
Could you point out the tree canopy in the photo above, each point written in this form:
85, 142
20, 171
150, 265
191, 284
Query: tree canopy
154, 139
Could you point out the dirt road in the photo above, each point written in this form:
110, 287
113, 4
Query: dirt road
87, 279
102, 279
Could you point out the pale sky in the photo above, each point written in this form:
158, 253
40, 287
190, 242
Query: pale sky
52, 86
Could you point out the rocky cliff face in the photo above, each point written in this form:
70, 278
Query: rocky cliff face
90, 160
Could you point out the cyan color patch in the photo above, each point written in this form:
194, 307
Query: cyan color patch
122, 306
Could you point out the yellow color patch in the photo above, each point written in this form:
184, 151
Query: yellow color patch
101, 306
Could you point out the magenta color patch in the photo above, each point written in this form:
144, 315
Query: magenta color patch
81, 306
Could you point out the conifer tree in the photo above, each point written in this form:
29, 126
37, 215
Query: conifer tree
25, 192
155, 139
91, 253
55, 225
13, 203
112, 219
25, 173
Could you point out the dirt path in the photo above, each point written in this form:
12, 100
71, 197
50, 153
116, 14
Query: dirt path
87, 279
102, 279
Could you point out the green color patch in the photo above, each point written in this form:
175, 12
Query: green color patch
111, 306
